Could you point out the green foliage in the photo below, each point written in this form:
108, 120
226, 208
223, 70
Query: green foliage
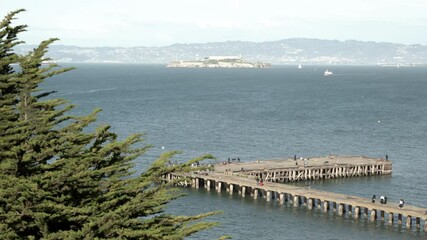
60, 181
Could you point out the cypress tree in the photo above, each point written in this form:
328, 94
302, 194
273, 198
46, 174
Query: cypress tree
59, 180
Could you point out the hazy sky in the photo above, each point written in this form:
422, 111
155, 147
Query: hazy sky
160, 22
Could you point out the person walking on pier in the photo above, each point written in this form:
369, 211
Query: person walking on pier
385, 200
386, 157
373, 198
382, 199
401, 202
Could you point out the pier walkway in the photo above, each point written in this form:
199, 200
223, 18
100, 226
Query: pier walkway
246, 182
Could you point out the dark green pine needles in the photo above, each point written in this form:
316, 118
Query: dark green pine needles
60, 181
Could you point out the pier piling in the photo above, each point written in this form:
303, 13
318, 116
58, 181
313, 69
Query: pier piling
256, 193
340, 209
373, 215
325, 206
356, 212
390, 218
296, 201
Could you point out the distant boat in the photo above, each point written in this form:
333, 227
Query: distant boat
299, 66
327, 73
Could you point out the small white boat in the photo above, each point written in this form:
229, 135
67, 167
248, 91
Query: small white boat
299, 66
327, 73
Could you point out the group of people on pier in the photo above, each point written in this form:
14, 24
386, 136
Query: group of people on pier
305, 160
229, 160
383, 200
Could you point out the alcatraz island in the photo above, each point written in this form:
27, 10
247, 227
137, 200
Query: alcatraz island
218, 62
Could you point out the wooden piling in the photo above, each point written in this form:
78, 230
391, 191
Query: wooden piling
356, 212
365, 212
325, 206
208, 185
340, 209
390, 218
243, 191
310, 203
268, 196
296, 201
373, 215
408, 221
281, 198
219, 187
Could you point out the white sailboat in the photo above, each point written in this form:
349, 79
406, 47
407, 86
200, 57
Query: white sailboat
299, 66
327, 73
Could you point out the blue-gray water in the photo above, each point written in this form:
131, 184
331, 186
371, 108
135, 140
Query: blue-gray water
270, 114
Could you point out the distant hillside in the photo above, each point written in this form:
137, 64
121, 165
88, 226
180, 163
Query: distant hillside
288, 51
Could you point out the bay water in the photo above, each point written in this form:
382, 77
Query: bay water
275, 113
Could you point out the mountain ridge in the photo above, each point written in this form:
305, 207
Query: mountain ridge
285, 51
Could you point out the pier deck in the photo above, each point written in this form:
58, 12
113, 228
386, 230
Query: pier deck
328, 161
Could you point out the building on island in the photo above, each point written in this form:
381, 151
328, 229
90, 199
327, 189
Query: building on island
219, 62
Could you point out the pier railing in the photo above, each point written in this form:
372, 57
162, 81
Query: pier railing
293, 174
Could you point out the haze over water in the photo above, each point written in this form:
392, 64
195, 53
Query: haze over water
270, 114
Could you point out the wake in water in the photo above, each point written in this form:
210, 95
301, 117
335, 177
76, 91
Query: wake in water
351, 74
88, 91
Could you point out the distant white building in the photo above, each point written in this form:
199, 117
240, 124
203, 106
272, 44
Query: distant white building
219, 58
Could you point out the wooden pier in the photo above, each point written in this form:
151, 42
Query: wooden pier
244, 179
301, 169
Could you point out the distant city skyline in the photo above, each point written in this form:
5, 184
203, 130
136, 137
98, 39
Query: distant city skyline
161, 23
